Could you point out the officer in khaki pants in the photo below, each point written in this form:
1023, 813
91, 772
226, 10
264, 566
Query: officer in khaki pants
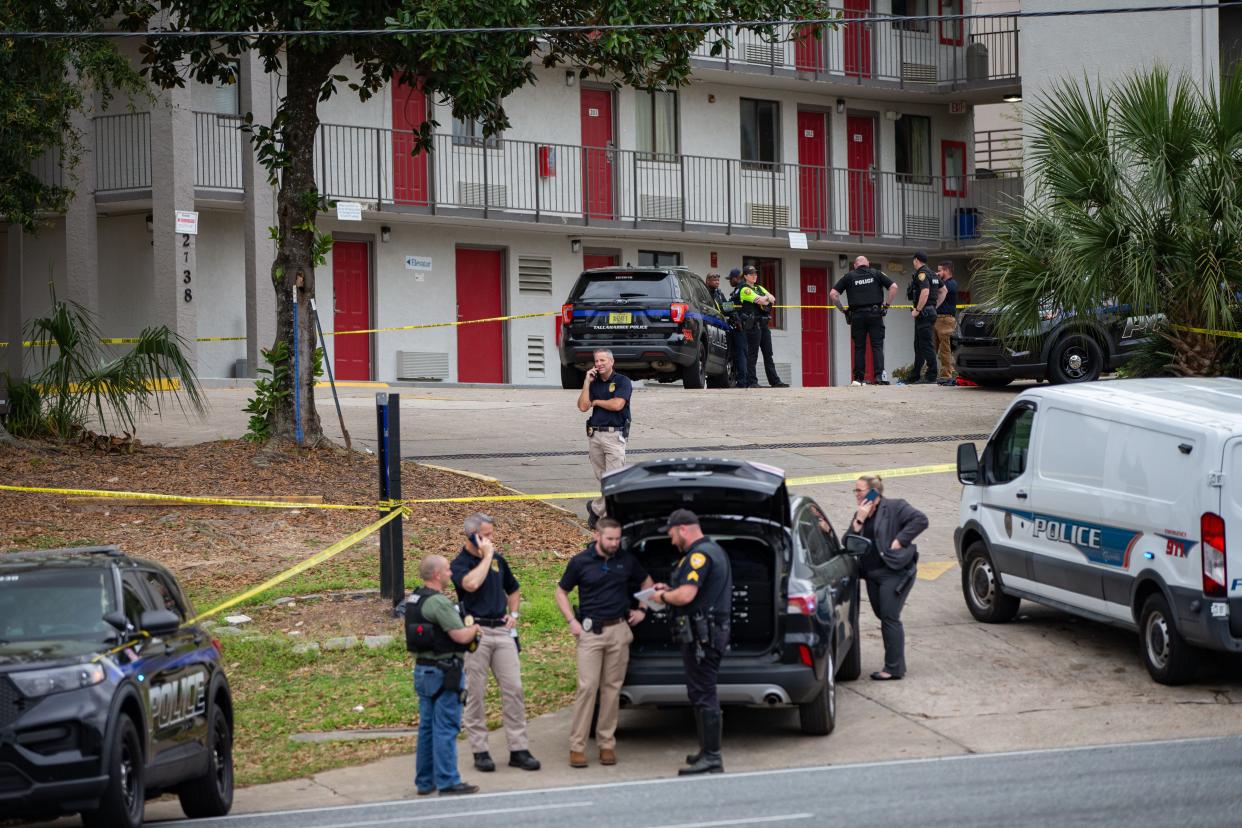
606, 578
606, 394
488, 591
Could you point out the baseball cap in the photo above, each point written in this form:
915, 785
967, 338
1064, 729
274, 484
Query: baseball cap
921, 255
680, 517
751, 269
734, 273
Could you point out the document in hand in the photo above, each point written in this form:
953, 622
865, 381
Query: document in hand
647, 598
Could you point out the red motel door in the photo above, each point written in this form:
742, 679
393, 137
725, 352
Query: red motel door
480, 348
351, 290
597, 138
814, 327
813, 170
861, 160
410, 181
857, 39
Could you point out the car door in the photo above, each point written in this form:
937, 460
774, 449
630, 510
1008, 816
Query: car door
835, 573
1004, 506
176, 681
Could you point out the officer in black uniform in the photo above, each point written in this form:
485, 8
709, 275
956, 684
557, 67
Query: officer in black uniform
701, 596
864, 288
738, 326
924, 285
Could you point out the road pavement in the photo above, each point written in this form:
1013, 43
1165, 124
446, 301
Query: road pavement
1184, 783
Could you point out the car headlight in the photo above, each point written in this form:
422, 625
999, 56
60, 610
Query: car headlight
35, 683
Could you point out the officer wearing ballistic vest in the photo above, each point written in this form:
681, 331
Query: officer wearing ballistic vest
739, 324
701, 597
922, 291
437, 636
758, 301
864, 288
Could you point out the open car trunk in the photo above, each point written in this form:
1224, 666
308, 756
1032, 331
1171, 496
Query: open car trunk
758, 569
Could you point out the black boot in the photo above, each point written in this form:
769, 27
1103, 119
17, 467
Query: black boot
710, 761
691, 758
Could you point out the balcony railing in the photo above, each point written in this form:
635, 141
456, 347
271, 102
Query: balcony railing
895, 50
572, 185
998, 149
123, 152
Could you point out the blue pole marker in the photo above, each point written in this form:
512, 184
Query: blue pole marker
297, 384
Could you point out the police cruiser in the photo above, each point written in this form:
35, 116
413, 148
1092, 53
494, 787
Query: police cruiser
108, 697
1113, 501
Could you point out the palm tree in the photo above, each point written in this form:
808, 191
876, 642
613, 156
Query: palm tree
1135, 195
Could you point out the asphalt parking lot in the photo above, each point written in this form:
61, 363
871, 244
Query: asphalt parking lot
1045, 681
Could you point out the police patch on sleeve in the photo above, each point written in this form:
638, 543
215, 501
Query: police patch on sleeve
698, 560
922, 277
495, 565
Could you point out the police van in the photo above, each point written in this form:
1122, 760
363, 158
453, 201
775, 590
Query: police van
110, 694
1113, 501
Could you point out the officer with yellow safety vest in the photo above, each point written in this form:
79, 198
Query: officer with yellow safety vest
757, 302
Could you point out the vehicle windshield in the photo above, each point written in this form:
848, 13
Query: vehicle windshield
43, 604
608, 287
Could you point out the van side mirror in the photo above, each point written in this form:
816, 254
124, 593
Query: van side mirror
967, 464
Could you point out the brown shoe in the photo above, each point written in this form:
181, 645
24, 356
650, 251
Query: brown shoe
607, 757
577, 759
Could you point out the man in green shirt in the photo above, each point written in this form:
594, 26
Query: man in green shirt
437, 635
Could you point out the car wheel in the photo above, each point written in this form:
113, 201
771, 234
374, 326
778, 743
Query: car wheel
1168, 657
982, 589
571, 377
124, 798
818, 717
1076, 358
695, 374
211, 795
851, 665
726, 378
989, 382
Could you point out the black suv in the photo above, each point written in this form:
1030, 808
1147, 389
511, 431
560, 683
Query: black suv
1064, 348
108, 697
659, 322
795, 588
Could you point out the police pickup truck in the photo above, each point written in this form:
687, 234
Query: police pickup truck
108, 696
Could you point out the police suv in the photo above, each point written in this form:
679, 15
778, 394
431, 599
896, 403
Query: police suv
107, 696
1113, 501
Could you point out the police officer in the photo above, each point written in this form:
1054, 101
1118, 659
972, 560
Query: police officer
488, 591
606, 394
606, 577
701, 596
946, 321
437, 636
738, 327
922, 292
864, 288
759, 337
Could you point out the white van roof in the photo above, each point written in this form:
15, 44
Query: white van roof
1214, 403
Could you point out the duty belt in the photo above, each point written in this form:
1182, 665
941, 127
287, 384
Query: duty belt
592, 429
490, 622
435, 662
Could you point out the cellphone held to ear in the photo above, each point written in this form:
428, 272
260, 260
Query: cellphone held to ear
871, 495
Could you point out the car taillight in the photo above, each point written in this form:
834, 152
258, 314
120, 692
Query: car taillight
567, 314
1212, 533
801, 604
804, 655
678, 311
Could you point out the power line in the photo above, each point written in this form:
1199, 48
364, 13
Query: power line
160, 34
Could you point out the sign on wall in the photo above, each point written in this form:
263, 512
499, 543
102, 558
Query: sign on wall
418, 263
348, 211
187, 222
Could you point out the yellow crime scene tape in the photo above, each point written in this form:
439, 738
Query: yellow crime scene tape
1207, 331
300, 567
195, 499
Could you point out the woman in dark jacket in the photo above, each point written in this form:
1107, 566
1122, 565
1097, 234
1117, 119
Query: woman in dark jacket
889, 566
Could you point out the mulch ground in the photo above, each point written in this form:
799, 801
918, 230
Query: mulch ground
215, 551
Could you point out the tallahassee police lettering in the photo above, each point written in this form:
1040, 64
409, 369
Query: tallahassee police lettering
179, 700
